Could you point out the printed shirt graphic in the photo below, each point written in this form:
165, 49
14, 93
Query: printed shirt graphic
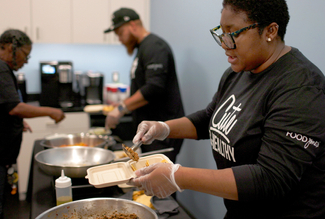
269, 128
228, 113
254, 110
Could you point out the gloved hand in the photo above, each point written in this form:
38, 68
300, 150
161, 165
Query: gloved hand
148, 131
113, 118
157, 179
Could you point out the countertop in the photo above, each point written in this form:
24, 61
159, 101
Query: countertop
41, 193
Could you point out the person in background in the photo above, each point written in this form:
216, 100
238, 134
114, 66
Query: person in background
155, 93
266, 123
15, 47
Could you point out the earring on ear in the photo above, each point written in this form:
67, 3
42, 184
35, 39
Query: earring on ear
269, 39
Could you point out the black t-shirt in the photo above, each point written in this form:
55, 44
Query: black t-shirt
11, 127
153, 73
270, 129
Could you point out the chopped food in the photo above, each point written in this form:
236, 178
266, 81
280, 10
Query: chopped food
147, 164
134, 155
133, 167
142, 198
121, 216
115, 215
107, 109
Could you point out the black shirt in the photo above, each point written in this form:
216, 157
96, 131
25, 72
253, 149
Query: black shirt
11, 127
270, 129
153, 73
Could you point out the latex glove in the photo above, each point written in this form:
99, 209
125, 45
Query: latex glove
157, 179
148, 131
113, 118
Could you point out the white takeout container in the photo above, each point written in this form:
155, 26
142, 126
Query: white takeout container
120, 172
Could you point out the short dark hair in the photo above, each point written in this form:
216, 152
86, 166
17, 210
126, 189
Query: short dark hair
17, 37
263, 12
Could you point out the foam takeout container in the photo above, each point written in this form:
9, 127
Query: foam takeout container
120, 172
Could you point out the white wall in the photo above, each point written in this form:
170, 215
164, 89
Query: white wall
200, 63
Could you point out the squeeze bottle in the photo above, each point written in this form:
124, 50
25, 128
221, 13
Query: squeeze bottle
63, 189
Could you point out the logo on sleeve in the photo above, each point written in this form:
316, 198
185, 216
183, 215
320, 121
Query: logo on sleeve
134, 67
303, 139
155, 66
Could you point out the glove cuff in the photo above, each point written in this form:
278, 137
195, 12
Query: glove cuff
166, 133
172, 177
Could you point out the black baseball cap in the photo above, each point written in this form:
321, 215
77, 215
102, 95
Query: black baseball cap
122, 16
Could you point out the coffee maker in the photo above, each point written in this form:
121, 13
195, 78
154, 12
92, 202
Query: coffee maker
56, 84
94, 87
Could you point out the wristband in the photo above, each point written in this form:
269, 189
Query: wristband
122, 108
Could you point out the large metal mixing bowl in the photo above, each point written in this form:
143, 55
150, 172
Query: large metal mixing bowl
91, 140
74, 160
89, 208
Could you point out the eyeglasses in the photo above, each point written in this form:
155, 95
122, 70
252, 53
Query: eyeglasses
27, 56
228, 38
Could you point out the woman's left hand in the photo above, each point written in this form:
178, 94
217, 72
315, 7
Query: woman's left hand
157, 179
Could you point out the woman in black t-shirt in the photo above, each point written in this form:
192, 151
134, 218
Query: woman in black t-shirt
15, 47
265, 123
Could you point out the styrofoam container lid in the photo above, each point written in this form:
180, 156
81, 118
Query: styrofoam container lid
121, 172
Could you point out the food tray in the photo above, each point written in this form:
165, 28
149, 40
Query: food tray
120, 172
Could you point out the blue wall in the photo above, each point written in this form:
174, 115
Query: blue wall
102, 58
200, 63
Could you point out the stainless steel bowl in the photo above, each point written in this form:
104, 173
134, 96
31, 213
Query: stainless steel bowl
74, 160
89, 208
91, 140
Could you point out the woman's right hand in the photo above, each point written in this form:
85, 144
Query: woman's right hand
148, 131
56, 114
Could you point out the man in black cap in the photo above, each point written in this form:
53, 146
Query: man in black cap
155, 93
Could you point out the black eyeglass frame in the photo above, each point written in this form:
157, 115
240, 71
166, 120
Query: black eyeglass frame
231, 35
27, 56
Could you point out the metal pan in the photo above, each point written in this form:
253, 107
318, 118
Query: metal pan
91, 140
98, 208
74, 160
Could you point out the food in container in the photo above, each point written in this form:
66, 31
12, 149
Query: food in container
120, 172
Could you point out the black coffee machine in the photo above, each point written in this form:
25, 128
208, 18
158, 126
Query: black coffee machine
94, 87
57, 84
